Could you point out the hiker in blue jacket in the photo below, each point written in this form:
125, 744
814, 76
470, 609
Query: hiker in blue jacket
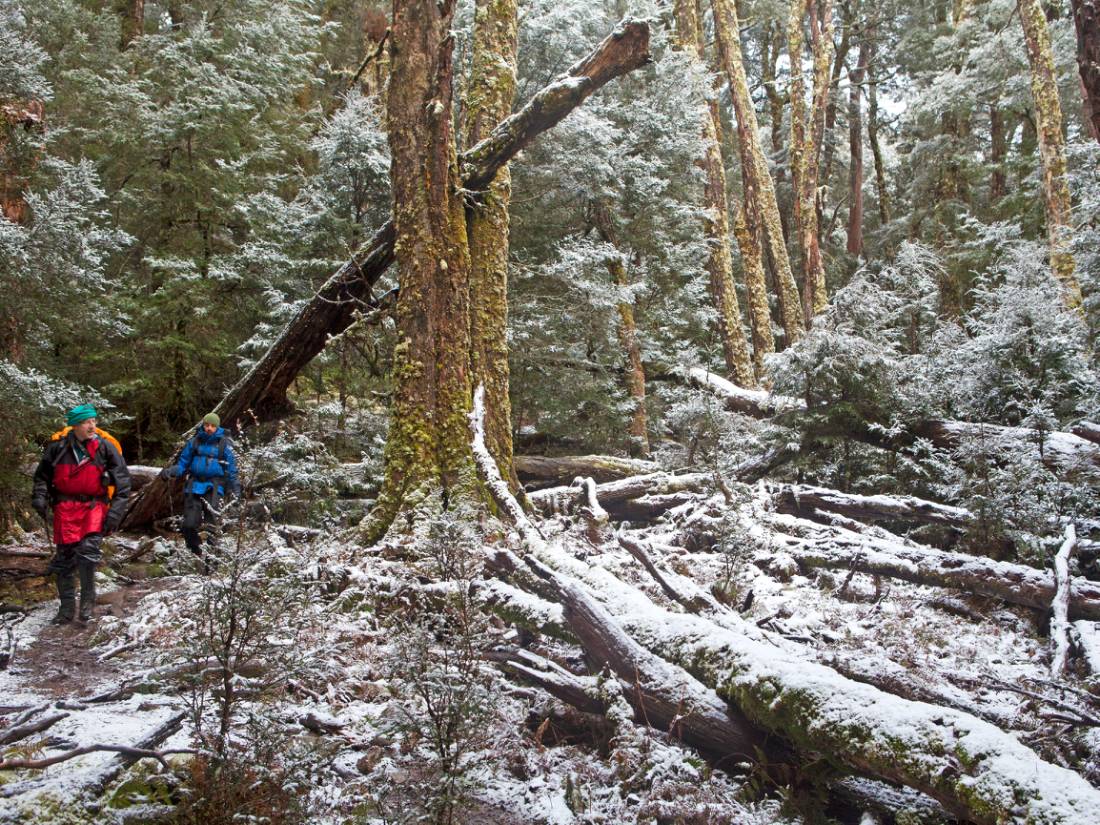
209, 467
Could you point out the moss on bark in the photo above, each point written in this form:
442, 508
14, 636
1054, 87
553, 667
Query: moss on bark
755, 166
1052, 150
492, 88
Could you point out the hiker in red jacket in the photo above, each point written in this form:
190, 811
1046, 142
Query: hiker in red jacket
73, 477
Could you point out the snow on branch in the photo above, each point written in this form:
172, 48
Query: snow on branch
1059, 623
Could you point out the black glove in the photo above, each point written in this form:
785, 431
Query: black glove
39, 506
111, 523
171, 471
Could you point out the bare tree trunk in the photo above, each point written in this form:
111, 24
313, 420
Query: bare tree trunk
998, 151
18, 157
828, 149
1048, 112
855, 150
1086, 21
772, 50
755, 165
881, 190
489, 100
806, 140
628, 332
735, 348
132, 13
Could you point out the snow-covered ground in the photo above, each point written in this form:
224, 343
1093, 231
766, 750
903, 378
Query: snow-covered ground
359, 648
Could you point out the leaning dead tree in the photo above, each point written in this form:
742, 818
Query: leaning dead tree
263, 390
976, 771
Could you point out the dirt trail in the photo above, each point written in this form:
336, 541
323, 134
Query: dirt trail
65, 661
62, 662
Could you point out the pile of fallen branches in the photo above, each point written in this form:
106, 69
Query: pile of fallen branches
692, 665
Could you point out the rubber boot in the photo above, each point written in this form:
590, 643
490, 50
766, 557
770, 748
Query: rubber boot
87, 590
66, 594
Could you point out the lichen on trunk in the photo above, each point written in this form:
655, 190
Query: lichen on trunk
1052, 149
735, 348
755, 165
492, 88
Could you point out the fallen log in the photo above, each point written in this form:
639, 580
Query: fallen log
613, 496
975, 770
144, 747
561, 470
22, 731
1087, 635
671, 699
813, 545
1059, 620
1088, 430
582, 692
803, 500
262, 392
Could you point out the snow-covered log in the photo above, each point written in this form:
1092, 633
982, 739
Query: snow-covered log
755, 403
614, 496
975, 770
804, 499
22, 731
562, 470
1059, 621
262, 392
1088, 430
1088, 641
814, 545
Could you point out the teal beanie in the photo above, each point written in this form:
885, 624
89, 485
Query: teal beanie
81, 413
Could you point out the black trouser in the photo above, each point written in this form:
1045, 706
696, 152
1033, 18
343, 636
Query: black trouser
199, 510
81, 557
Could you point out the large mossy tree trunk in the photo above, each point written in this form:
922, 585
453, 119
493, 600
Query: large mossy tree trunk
755, 165
492, 88
427, 450
1052, 148
735, 347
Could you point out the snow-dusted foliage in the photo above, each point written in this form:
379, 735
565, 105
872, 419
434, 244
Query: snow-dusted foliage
633, 154
1025, 359
21, 59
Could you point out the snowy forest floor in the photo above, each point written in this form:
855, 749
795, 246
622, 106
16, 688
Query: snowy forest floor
341, 679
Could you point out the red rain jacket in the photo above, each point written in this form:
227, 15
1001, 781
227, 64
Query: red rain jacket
77, 489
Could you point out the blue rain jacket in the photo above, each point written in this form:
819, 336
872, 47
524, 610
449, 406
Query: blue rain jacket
203, 467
